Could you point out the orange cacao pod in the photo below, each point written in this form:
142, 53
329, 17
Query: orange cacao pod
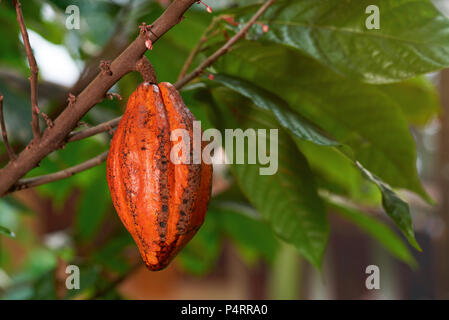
162, 204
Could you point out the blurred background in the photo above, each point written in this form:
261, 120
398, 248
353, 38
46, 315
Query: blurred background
235, 255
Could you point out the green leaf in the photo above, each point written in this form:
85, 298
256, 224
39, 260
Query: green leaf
7, 232
244, 225
413, 38
45, 287
396, 208
300, 127
89, 276
288, 200
344, 171
418, 99
376, 229
113, 254
339, 173
94, 203
359, 115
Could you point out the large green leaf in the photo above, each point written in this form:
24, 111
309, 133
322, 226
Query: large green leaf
89, 278
267, 100
359, 115
338, 173
418, 99
341, 169
413, 37
396, 208
245, 227
113, 254
378, 230
288, 200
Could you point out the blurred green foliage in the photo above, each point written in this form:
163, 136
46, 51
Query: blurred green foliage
340, 94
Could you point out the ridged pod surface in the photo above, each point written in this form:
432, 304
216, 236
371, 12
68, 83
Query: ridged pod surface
162, 204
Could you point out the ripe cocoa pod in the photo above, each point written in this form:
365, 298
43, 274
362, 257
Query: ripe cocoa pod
161, 204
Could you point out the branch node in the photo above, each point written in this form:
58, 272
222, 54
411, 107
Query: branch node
71, 100
143, 28
105, 66
112, 95
82, 124
145, 31
110, 130
47, 119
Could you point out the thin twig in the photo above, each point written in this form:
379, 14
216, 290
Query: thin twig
86, 133
225, 48
195, 50
11, 154
66, 173
34, 71
190, 58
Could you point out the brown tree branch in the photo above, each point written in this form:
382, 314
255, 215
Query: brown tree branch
209, 61
53, 138
66, 173
34, 71
86, 133
9, 150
